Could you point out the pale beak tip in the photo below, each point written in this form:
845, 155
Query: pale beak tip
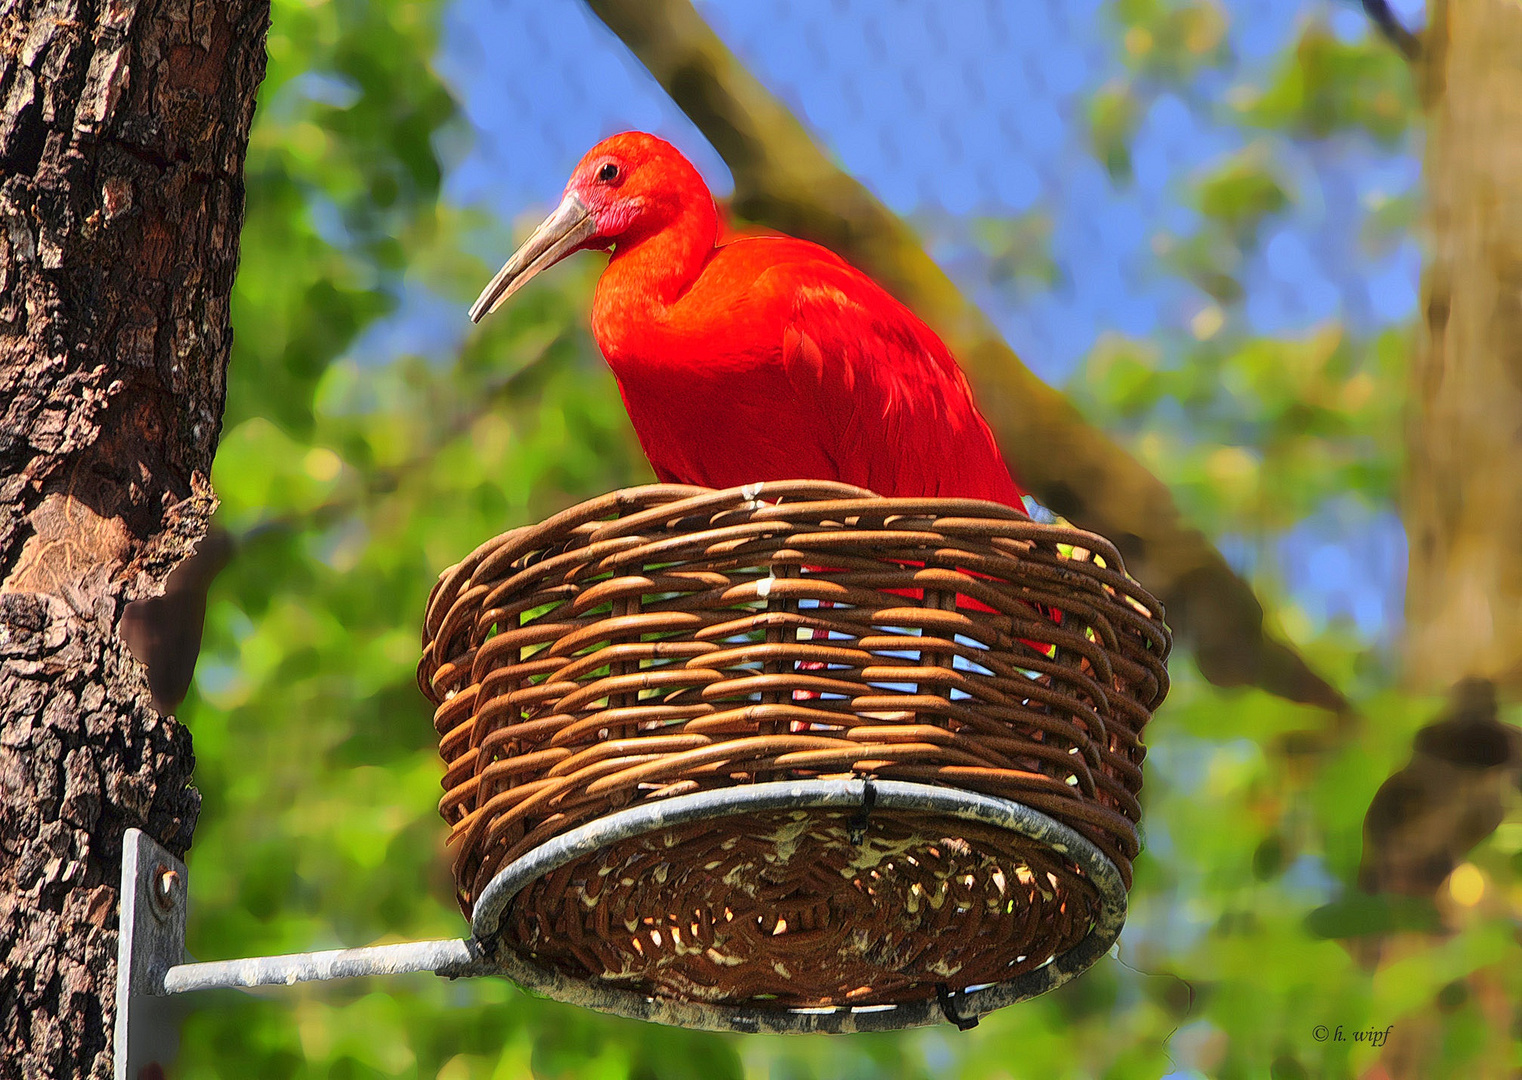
481, 308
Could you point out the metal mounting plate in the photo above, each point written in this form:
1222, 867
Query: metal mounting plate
150, 940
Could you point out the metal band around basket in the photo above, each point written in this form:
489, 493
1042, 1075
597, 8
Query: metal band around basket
798, 795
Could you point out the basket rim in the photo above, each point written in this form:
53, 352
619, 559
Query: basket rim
616, 513
1007, 814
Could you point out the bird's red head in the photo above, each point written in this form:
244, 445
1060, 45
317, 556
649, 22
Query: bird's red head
627, 187
635, 184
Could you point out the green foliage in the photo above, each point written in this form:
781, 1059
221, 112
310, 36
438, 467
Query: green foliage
342, 182
1254, 809
1277, 426
350, 479
1327, 86
1240, 192
1164, 45
1171, 41
1114, 113
1019, 250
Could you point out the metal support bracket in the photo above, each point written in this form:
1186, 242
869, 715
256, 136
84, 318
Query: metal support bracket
150, 960
150, 940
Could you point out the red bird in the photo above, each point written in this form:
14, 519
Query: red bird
763, 358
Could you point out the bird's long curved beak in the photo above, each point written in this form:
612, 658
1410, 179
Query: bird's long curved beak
570, 226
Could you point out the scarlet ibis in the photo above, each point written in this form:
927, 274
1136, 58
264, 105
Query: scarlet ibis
762, 358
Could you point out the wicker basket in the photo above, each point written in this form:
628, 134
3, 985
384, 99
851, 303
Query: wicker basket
792, 747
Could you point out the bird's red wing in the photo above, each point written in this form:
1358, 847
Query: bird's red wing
898, 415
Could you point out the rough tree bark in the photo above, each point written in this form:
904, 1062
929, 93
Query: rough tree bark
122, 139
1464, 447
782, 179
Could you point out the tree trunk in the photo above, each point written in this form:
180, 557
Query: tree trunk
122, 138
1464, 446
1463, 500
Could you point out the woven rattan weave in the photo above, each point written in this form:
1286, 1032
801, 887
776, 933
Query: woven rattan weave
667, 640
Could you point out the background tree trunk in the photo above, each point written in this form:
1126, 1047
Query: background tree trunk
1464, 447
1463, 499
122, 138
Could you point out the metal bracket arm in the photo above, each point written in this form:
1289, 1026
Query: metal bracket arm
150, 959
450, 958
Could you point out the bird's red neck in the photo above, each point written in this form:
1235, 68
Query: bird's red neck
650, 272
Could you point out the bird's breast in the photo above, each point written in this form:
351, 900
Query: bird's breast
703, 377
722, 423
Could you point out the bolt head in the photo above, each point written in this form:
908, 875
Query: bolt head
166, 887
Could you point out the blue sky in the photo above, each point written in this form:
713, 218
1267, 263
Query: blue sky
951, 112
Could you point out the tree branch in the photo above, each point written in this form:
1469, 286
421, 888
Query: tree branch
1409, 44
783, 180
1430, 814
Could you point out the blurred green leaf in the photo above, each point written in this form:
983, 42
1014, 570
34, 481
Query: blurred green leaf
1172, 40
1358, 914
1114, 114
1327, 85
1240, 192
1019, 250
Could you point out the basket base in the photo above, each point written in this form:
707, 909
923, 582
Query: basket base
831, 905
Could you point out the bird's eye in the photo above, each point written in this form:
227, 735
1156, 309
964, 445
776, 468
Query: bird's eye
608, 173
